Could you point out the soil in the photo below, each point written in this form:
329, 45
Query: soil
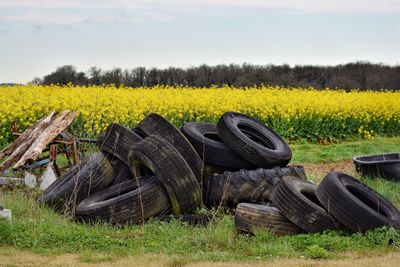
317, 171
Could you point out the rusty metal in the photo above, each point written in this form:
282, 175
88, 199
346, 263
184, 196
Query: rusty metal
56, 168
75, 154
53, 152
53, 158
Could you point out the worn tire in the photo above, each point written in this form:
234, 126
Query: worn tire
209, 146
122, 171
208, 177
356, 205
297, 201
127, 202
255, 186
158, 155
249, 217
253, 140
79, 182
155, 124
117, 140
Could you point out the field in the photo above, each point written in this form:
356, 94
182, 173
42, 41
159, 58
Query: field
40, 235
298, 114
325, 130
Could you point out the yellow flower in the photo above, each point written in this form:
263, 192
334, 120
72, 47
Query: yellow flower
363, 113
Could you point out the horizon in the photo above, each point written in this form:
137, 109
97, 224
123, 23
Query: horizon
39, 36
238, 64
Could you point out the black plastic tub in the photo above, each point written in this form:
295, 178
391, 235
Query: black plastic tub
380, 165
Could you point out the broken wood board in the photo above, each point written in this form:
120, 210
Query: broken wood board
30, 144
28, 136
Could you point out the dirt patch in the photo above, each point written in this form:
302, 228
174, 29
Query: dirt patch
317, 171
16, 257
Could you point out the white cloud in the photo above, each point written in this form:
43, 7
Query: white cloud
321, 6
48, 17
44, 12
44, 17
56, 11
329, 6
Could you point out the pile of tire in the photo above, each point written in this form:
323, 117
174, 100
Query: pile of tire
156, 169
340, 201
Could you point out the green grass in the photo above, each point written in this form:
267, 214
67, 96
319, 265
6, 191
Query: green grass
43, 231
390, 189
344, 151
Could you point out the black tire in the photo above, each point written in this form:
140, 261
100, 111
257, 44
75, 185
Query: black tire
255, 186
208, 177
158, 155
385, 165
297, 201
117, 140
356, 205
249, 217
155, 124
253, 140
125, 203
209, 146
122, 171
78, 183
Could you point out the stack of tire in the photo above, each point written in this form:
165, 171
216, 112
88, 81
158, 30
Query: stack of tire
156, 169
299, 206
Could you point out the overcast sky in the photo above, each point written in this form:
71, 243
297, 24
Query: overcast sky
39, 35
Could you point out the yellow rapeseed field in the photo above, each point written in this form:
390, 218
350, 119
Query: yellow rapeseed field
294, 112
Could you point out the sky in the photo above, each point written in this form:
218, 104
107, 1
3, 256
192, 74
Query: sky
37, 36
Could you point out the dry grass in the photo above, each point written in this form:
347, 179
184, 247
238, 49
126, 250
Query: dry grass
317, 171
15, 257
391, 259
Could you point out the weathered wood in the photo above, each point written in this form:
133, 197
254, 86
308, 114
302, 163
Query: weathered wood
55, 140
18, 148
28, 134
59, 124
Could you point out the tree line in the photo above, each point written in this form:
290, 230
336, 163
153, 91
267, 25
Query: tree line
360, 75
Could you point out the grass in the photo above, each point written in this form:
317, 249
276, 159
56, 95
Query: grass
316, 153
44, 232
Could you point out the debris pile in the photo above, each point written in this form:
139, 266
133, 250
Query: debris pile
38, 147
156, 169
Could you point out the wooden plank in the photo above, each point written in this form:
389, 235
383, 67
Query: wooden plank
59, 124
18, 148
29, 134
56, 140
